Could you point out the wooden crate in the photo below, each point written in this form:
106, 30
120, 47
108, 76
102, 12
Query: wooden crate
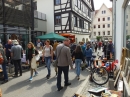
123, 55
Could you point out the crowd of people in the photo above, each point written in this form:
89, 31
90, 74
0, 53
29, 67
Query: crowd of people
65, 52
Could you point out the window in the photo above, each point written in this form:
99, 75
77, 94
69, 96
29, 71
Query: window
98, 19
108, 25
35, 5
104, 33
58, 20
98, 26
94, 26
76, 2
81, 23
99, 33
108, 33
79, 4
57, 2
104, 11
103, 26
94, 33
108, 18
126, 24
126, 32
75, 21
103, 19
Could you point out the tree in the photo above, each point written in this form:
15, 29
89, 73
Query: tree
127, 37
98, 38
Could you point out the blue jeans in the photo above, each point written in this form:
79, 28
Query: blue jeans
4, 71
78, 63
48, 64
89, 61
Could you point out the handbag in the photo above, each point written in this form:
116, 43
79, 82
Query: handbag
33, 63
56, 61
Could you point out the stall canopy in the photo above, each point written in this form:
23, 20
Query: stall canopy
51, 36
69, 35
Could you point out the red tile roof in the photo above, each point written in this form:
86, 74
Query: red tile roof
110, 9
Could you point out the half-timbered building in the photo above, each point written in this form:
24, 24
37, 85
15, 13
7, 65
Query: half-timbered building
73, 16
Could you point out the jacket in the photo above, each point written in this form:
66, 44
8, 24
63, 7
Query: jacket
63, 55
88, 52
33, 52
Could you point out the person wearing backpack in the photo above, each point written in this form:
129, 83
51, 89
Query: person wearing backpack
3, 61
88, 55
48, 56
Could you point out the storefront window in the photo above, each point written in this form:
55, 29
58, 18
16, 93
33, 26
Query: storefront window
127, 26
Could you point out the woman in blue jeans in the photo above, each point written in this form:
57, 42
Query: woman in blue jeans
4, 65
79, 57
48, 56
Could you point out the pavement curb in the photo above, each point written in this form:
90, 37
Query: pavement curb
81, 88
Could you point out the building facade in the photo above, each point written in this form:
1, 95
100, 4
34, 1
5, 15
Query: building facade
73, 16
19, 18
102, 23
15, 19
46, 6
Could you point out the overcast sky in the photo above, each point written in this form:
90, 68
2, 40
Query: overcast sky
98, 3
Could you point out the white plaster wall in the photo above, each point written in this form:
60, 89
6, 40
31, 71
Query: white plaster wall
47, 7
41, 25
80, 37
119, 28
101, 23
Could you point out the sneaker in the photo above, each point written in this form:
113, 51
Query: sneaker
30, 78
78, 78
36, 73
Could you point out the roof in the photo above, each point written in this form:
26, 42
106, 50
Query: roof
96, 11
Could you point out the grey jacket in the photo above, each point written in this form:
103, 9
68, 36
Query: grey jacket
64, 59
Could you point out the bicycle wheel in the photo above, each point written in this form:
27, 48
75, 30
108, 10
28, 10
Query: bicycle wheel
100, 76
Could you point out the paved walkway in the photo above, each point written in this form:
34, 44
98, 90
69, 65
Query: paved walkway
40, 86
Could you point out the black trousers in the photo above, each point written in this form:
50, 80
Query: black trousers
65, 70
17, 65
